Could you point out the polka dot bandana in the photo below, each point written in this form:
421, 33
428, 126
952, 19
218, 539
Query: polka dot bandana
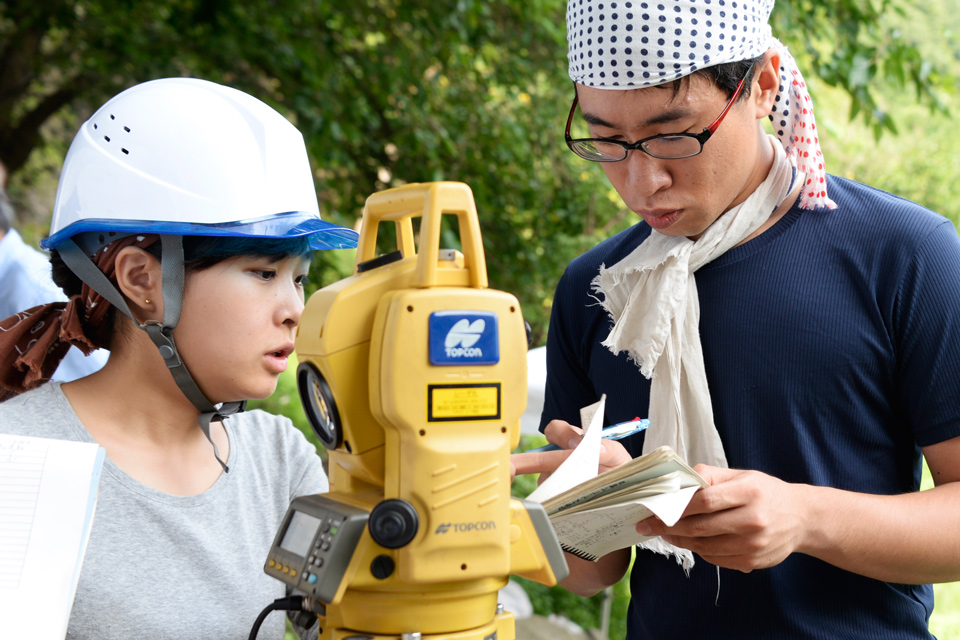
632, 45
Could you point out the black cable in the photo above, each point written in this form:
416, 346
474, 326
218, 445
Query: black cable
290, 603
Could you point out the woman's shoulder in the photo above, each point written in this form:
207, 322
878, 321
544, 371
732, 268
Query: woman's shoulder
270, 435
272, 447
43, 412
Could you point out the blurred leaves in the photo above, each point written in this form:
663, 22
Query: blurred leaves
388, 92
860, 47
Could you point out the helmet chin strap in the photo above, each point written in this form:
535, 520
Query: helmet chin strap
161, 333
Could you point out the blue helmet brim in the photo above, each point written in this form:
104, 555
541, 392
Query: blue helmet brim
294, 224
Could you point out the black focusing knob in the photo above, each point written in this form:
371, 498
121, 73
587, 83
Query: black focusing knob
393, 523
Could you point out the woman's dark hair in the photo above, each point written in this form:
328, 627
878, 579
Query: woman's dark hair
199, 253
203, 252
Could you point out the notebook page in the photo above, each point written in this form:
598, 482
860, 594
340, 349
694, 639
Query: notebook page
48, 492
583, 463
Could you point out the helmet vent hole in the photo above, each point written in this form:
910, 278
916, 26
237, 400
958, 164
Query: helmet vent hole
107, 138
125, 151
113, 117
127, 129
95, 125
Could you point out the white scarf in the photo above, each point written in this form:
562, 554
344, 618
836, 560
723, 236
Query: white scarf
651, 295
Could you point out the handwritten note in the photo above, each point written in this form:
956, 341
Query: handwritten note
611, 527
48, 491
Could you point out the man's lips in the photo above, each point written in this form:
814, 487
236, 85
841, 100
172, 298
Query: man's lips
660, 218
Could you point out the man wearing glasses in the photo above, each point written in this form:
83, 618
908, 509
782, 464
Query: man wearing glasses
802, 348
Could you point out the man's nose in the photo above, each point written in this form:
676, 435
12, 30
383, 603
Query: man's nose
645, 174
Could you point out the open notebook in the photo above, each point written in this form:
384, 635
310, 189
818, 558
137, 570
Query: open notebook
593, 514
48, 494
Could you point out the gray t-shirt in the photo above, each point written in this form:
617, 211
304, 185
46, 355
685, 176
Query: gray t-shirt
180, 567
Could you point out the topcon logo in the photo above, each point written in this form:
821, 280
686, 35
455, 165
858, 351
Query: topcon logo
466, 527
461, 338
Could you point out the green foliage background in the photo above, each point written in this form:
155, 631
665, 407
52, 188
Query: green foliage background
388, 92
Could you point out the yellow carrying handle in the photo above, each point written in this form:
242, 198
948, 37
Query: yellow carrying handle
430, 201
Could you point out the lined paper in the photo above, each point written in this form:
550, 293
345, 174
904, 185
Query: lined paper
21, 468
48, 493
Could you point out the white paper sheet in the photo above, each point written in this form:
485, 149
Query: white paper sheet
48, 491
583, 463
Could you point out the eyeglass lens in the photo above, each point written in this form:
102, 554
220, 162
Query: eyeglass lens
660, 147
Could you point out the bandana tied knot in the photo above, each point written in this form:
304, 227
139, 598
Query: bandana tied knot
33, 342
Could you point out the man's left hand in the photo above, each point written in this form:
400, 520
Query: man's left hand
744, 520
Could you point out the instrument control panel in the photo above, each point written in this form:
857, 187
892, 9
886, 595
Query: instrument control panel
315, 544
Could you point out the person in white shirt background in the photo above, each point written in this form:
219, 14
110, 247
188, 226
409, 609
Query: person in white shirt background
25, 282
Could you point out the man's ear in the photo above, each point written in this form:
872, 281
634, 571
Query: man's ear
766, 84
139, 280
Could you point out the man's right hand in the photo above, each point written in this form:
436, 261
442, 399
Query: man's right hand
567, 437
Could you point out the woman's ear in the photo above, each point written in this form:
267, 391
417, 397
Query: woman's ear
766, 84
139, 280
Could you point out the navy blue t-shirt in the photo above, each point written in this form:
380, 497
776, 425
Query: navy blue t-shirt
832, 351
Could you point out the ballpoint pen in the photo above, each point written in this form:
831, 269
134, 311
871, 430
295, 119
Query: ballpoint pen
613, 432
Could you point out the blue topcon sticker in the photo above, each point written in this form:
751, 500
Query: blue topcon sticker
464, 338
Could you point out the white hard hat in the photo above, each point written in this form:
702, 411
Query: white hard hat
190, 157
180, 157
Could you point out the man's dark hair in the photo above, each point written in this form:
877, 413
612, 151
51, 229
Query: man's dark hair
726, 76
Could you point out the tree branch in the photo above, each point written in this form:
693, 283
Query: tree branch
17, 141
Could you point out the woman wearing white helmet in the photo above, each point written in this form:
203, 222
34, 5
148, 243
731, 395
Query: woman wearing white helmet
189, 208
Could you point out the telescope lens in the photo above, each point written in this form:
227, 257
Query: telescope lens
319, 405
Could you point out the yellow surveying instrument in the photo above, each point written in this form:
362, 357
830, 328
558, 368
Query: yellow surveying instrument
413, 375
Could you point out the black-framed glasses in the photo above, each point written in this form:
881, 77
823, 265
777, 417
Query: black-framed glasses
666, 146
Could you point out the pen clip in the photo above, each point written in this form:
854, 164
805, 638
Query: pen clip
617, 431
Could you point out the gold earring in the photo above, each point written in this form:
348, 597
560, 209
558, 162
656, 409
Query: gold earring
147, 301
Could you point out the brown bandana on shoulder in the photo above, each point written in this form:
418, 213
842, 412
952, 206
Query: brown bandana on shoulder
33, 342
